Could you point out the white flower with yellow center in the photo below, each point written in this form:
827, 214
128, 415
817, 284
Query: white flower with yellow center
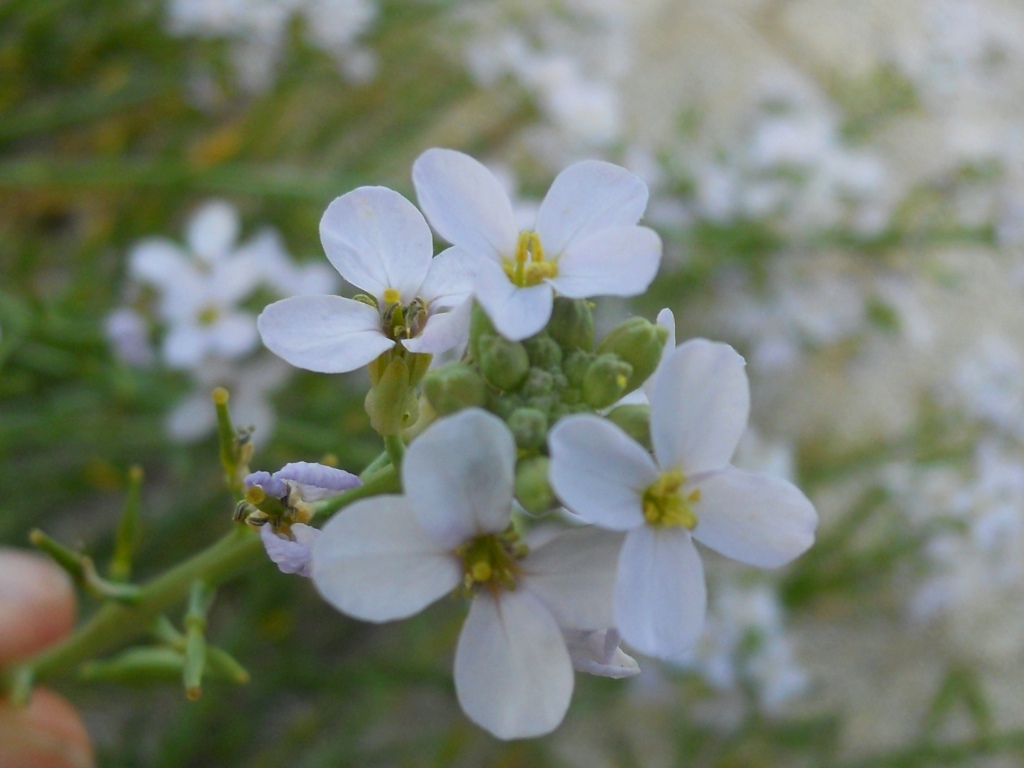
378, 242
389, 557
584, 243
699, 408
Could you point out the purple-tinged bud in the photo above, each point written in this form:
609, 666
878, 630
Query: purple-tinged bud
291, 556
317, 481
271, 485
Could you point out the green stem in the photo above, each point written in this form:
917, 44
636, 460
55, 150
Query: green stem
383, 481
396, 450
375, 465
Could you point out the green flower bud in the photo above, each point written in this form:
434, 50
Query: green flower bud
538, 382
529, 426
605, 380
506, 404
635, 421
533, 490
544, 352
453, 387
391, 402
575, 367
503, 363
640, 343
418, 364
479, 326
572, 324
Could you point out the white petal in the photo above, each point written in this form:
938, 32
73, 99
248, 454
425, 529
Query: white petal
191, 419
213, 230
699, 406
513, 675
443, 331
599, 472
377, 239
465, 203
185, 345
458, 476
573, 574
158, 262
614, 262
586, 198
233, 279
598, 653
449, 280
375, 562
288, 555
660, 597
667, 321
328, 334
517, 313
752, 517
234, 334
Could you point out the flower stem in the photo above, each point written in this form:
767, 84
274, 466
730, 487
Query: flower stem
396, 450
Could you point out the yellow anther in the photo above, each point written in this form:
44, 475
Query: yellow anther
528, 267
391, 296
255, 494
209, 315
481, 571
664, 505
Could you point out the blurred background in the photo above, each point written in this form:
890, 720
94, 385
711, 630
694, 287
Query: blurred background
840, 190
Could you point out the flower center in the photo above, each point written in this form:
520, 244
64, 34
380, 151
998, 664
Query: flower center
402, 322
529, 266
491, 560
665, 504
209, 315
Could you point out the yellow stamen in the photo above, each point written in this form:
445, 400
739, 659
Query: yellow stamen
529, 267
665, 505
391, 296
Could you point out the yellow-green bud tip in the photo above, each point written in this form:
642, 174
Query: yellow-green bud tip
220, 396
135, 474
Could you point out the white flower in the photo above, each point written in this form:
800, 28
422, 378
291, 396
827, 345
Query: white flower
585, 241
200, 288
391, 556
379, 242
689, 490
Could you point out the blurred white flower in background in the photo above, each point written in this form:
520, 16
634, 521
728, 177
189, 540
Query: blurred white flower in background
205, 297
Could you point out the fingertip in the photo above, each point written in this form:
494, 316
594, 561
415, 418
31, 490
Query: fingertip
37, 603
48, 733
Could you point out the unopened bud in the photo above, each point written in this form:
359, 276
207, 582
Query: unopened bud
605, 381
453, 387
503, 363
391, 402
544, 352
538, 382
529, 426
575, 367
640, 343
479, 326
572, 324
533, 490
634, 420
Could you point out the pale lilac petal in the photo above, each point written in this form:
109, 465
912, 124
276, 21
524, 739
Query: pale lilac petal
288, 555
598, 653
443, 331
234, 334
212, 230
232, 280
459, 474
376, 239
317, 481
449, 280
599, 472
465, 203
573, 574
586, 198
667, 321
375, 562
328, 334
185, 346
614, 262
517, 313
513, 675
158, 262
699, 407
660, 597
271, 485
752, 517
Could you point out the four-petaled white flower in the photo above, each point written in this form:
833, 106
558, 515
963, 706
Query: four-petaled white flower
585, 241
389, 557
379, 242
689, 490
201, 286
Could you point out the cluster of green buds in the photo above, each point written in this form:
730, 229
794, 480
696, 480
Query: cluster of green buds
559, 371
